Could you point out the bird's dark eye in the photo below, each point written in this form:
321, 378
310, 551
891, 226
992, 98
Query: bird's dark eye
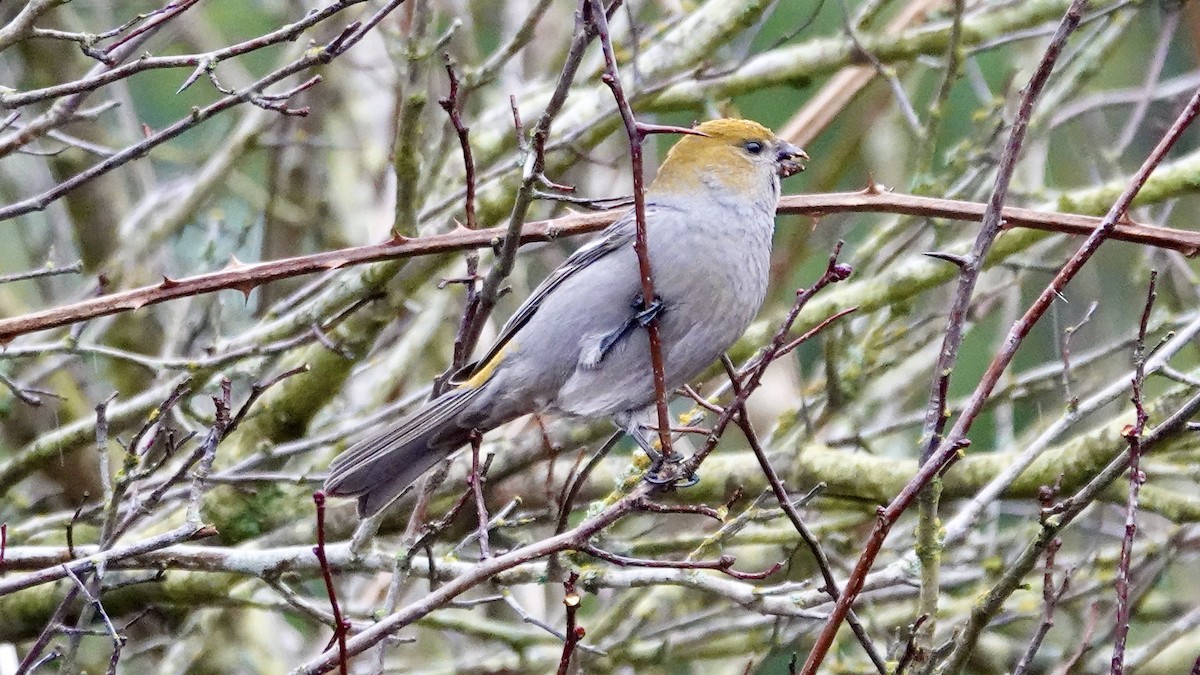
754, 147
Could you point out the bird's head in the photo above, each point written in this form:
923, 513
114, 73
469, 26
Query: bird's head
731, 157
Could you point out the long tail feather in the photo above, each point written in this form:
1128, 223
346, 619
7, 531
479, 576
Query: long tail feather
382, 467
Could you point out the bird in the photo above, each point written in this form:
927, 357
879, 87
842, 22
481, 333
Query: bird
578, 344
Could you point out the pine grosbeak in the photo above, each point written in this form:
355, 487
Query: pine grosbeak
577, 345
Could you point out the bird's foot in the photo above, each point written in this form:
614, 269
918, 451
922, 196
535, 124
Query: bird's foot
646, 313
658, 462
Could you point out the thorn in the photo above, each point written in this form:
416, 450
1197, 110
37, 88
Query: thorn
234, 263
246, 287
960, 260
168, 282
1124, 219
873, 188
647, 129
396, 240
200, 68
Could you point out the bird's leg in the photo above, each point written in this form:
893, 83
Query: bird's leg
642, 318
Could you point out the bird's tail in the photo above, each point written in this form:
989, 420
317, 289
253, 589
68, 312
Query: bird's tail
380, 468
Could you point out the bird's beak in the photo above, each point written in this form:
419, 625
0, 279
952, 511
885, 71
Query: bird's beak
789, 159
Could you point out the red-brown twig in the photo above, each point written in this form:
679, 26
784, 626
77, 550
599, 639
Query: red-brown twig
752, 372
512, 235
1051, 596
452, 103
785, 503
476, 480
637, 133
341, 625
910, 646
574, 632
950, 446
1133, 436
928, 550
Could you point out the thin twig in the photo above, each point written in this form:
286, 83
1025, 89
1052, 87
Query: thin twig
574, 632
476, 480
341, 625
47, 271
1133, 436
785, 503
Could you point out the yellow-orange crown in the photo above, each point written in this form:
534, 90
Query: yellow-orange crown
718, 155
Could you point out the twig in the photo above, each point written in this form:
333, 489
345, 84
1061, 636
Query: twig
574, 632
512, 235
118, 640
785, 503
452, 103
569, 492
1133, 436
724, 564
47, 271
752, 372
341, 625
1050, 599
910, 646
476, 480
595, 13
928, 549
1065, 352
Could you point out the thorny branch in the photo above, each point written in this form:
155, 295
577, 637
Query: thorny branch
244, 277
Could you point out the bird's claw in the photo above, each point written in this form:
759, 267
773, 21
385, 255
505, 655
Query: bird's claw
654, 477
646, 313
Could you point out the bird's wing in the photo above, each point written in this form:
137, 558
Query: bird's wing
615, 237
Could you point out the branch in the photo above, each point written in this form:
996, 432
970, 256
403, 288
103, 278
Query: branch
246, 277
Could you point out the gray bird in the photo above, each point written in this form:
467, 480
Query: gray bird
578, 346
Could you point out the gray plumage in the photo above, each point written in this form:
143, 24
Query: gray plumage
710, 217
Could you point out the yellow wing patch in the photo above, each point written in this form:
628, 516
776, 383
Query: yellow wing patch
485, 371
